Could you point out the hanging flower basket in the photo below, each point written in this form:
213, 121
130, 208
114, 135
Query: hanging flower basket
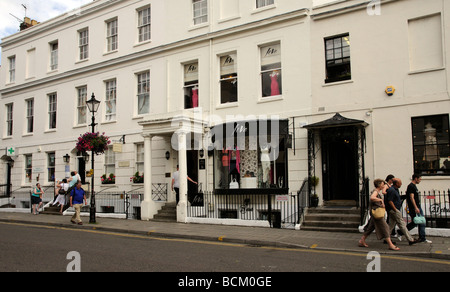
93, 142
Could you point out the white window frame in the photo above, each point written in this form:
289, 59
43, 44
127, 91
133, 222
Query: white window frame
54, 55
83, 37
263, 55
9, 120
51, 166
226, 75
191, 81
264, 3
29, 116
143, 93
112, 35
110, 100
144, 24
52, 110
110, 162
12, 69
28, 168
200, 11
140, 158
81, 105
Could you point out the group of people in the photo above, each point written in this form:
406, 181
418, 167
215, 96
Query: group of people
387, 195
71, 187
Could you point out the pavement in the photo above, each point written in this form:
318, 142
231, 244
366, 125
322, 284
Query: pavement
253, 236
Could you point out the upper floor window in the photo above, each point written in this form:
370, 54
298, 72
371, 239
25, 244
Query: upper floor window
140, 158
200, 9
228, 79
191, 90
51, 166
84, 44
81, 105
9, 119
144, 24
54, 56
431, 145
112, 35
30, 115
12, 69
263, 3
111, 94
271, 70
337, 51
28, 167
52, 102
110, 166
143, 96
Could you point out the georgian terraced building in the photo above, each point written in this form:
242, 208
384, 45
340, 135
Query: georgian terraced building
247, 97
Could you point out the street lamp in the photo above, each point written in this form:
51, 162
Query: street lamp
66, 158
92, 105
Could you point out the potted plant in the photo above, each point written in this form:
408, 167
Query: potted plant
93, 142
137, 179
314, 181
108, 180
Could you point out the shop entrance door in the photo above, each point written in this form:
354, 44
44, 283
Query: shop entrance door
192, 172
340, 163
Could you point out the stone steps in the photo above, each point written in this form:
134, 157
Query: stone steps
335, 218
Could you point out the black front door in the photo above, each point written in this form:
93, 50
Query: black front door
192, 171
340, 163
82, 169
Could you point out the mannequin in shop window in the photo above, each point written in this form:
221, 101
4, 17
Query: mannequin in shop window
431, 150
231, 159
195, 97
265, 165
275, 83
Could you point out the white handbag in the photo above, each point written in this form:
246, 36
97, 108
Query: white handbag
234, 184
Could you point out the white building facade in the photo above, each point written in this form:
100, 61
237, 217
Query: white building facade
239, 94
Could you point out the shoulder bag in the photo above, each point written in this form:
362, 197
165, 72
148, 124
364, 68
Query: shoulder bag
378, 213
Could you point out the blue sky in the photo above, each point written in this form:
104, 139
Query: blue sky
36, 9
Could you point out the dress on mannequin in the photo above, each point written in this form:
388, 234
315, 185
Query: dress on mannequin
195, 97
275, 86
265, 163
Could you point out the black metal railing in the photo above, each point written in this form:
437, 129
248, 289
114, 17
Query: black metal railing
5, 190
281, 211
364, 200
159, 192
435, 206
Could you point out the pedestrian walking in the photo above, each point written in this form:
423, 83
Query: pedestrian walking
388, 183
176, 183
36, 198
414, 207
378, 225
77, 197
393, 206
62, 192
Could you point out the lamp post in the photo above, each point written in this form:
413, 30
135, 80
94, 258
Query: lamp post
92, 105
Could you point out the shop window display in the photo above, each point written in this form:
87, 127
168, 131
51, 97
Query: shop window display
251, 159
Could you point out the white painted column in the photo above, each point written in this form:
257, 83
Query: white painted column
147, 206
182, 162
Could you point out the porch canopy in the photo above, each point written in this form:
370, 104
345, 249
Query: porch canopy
337, 137
336, 121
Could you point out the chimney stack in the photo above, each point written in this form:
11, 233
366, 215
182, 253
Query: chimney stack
27, 23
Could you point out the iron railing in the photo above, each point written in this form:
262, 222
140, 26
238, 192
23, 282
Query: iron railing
281, 211
5, 190
435, 206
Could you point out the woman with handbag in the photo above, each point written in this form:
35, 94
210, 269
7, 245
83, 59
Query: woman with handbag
377, 221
